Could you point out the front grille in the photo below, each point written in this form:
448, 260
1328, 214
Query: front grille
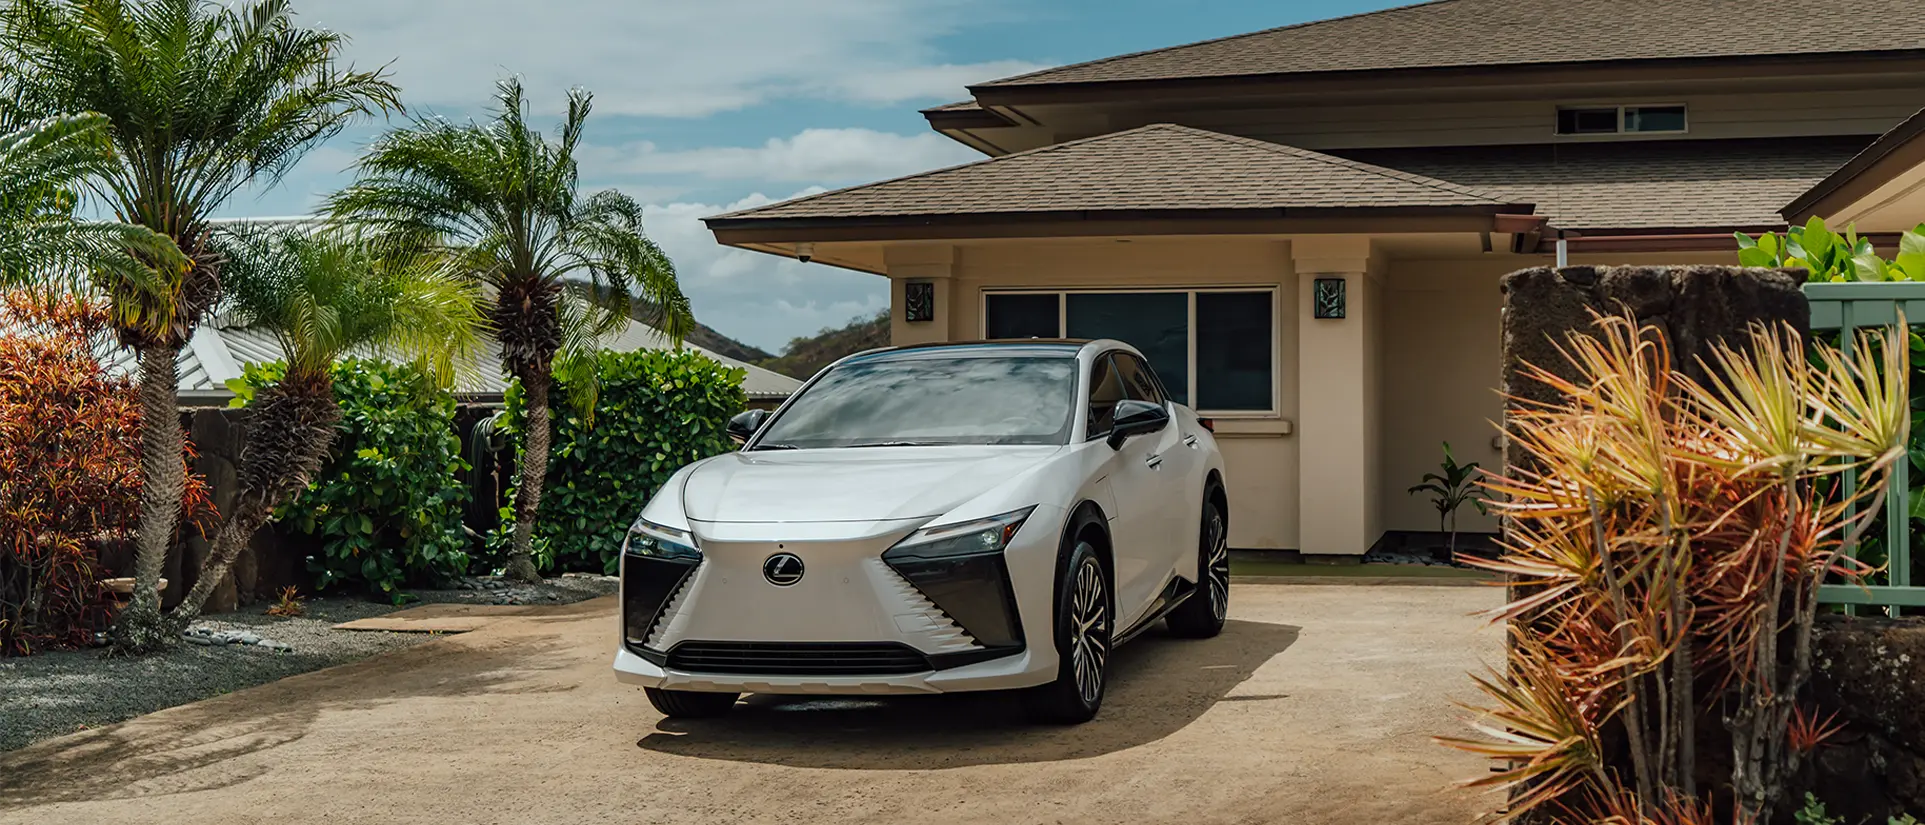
797, 658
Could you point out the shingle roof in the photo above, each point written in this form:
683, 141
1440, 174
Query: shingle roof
1643, 185
218, 351
1156, 167
959, 106
1463, 33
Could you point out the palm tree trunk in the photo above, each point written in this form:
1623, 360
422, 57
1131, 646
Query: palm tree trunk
290, 430
163, 480
534, 470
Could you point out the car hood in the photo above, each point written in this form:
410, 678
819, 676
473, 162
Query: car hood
851, 484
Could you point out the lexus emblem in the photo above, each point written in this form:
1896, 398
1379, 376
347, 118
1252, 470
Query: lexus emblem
782, 569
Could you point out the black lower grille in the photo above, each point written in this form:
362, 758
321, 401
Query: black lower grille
797, 658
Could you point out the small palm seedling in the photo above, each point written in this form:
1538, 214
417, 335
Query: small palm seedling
1450, 491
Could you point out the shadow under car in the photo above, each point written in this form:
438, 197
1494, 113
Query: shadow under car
1158, 685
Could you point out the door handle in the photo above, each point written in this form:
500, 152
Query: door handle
1190, 440
1154, 461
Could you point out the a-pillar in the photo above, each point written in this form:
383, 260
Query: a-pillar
917, 265
1339, 374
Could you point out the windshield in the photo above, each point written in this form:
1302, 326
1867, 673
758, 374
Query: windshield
1019, 399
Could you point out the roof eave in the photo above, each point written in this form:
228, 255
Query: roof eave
748, 230
1896, 152
993, 93
947, 119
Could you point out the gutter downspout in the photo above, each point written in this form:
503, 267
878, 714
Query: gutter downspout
1563, 250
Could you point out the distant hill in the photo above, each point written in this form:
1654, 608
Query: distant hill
804, 357
702, 335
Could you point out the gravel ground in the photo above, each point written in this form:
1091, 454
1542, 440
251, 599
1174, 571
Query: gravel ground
566, 588
59, 692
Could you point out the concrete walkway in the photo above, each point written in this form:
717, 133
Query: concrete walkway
1314, 706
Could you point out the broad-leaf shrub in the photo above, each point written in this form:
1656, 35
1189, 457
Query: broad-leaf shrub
657, 411
387, 506
1829, 256
69, 471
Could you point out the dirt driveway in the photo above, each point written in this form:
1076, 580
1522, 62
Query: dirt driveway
1314, 706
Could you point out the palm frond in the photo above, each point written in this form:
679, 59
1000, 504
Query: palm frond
332, 292
42, 166
500, 201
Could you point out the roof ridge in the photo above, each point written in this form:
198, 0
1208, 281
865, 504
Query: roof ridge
1356, 165
1025, 153
1224, 39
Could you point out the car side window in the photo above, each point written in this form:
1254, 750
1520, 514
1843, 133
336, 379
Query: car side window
1138, 381
1105, 389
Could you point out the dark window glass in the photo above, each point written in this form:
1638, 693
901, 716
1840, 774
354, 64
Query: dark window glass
1587, 121
932, 399
1022, 316
1156, 323
1138, 382
1234, 339
1654, 119
1105, 389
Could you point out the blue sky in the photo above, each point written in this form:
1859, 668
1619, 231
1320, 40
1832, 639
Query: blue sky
708, 105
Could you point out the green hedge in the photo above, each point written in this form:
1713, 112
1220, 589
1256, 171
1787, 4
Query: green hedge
658, 410
387, 507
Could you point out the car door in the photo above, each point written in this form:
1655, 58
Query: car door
1136, 484
1173, 459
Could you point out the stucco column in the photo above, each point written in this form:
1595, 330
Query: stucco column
921, 264
1338, 374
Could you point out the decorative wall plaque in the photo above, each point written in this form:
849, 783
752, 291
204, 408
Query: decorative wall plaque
1327, 298
918, 301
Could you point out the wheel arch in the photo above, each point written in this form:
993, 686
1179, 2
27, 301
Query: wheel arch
1213, 492
1088, 520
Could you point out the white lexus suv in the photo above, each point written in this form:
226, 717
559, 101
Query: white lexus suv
957, 517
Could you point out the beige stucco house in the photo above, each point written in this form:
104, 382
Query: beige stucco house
1304, 227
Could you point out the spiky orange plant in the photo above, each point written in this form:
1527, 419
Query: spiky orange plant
1667, 536
289, 605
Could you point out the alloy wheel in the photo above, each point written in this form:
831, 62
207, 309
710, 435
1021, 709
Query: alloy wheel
1218, 562
1089, 631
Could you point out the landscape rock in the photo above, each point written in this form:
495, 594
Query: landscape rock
1871, 672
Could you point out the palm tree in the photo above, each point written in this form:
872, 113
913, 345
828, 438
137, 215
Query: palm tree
201, 100
323, 295
502, 198
42, 165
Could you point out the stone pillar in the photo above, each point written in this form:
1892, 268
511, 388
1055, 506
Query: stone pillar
922, 264
1338, 375
1694, 306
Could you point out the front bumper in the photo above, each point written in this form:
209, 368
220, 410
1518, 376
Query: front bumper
853, 624
1008, 672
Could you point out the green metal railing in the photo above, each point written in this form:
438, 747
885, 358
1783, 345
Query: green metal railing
1848, 307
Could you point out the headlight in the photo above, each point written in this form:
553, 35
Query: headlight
646, 538
969, 538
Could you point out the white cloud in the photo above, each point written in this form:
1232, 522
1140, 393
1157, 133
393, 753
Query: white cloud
760, 299
809, 156
665, 57
919, 81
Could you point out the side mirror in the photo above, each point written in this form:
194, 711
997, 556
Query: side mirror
1134, 418
743, 426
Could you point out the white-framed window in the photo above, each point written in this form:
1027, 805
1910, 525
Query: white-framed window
1216, 349
1668, 118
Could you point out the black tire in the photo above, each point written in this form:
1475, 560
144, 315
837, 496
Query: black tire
1085, 626
691, 704
1201, 616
